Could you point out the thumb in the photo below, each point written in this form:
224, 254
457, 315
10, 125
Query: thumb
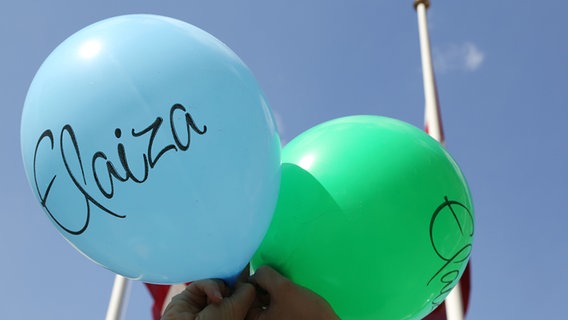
271, 281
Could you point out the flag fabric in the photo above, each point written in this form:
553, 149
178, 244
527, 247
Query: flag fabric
162, 295
440, 312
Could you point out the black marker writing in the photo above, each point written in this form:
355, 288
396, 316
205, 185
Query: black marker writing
107, 174
451, 257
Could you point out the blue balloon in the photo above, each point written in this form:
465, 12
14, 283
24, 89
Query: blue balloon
150, 146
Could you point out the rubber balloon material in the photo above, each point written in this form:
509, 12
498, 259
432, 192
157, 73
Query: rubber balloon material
374, 215
151, 148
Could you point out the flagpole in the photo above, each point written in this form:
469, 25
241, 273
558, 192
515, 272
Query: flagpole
433, 117
433, 124
118, 298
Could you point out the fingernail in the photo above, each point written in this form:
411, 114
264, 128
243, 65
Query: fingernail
218, 295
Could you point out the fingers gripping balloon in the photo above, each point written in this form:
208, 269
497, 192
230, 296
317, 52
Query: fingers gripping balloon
150, 146
373, 215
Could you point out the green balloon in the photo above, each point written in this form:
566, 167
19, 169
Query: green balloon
373, 215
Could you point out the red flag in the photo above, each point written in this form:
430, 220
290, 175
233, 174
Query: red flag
440, 312
162, 294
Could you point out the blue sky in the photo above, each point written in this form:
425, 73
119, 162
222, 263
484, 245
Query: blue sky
502, 73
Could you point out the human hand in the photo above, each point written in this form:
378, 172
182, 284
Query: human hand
284, 300
210, 300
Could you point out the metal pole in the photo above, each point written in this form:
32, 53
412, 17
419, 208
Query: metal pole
118, 298
454, 305
433, 117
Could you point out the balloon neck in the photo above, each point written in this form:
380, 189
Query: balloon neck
231, 281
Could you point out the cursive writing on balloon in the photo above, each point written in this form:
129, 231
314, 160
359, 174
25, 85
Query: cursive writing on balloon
103, 171
452, 250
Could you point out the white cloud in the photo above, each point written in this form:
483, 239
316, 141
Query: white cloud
473, 57
463, 57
